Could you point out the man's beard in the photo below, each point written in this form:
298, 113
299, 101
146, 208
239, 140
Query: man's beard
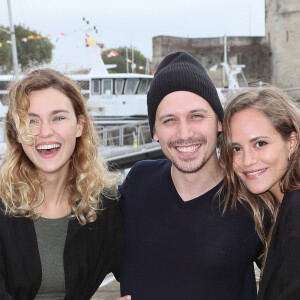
189, 169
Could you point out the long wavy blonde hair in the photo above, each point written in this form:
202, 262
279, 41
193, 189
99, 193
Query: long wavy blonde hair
21, 187
284, 115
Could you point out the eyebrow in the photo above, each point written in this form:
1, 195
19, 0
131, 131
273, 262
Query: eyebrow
54, 112
190, 112
258, 138
253, 139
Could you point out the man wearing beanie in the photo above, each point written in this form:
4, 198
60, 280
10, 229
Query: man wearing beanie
179, 246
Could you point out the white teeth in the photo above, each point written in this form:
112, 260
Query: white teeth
48, 147
188, 149
256, 172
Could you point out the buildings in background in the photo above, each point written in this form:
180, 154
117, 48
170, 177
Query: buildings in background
274, 58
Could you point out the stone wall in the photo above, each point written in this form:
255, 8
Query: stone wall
283, 37
253, 52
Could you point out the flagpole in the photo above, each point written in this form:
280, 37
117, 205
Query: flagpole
13, 40
132, 56
126, 59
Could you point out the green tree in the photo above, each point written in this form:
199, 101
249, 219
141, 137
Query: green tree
30, 53
120, 60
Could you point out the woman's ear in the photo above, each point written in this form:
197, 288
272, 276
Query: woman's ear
293, 142
80, 125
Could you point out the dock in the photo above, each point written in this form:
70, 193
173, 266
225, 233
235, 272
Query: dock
109, 289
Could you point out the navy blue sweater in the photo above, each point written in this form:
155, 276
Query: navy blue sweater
183, 250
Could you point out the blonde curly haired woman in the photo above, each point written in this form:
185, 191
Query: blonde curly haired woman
61, 229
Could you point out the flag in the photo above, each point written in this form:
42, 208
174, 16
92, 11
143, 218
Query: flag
33, 37
112, 53
91, 41
24, 39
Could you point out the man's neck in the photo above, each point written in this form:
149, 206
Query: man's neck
192, 185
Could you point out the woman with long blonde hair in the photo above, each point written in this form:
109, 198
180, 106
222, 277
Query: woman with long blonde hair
60, 223
260, 152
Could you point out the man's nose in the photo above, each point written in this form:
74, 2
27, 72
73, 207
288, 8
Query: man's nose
184, 130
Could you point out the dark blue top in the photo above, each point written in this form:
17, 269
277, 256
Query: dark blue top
183, 250
281, 276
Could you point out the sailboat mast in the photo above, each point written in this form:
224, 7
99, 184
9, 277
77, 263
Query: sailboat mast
13, 40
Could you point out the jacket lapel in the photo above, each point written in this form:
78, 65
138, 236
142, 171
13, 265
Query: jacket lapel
273, 253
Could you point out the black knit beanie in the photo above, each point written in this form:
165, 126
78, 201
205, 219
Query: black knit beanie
180, 71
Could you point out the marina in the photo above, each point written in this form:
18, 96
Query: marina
117, 102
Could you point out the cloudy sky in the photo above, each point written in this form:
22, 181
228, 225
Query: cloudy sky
131, 22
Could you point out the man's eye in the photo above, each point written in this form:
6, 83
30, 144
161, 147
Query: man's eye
197, 116
58, 118
169, 120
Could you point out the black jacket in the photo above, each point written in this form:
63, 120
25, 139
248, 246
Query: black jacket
91, 252
281, 277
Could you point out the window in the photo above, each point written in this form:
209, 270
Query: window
107, 86
143, 87
96, 86
131, 85
119, 84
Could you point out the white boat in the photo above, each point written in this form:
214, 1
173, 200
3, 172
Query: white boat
115, 95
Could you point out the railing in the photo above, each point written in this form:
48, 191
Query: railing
127, 139
118, 141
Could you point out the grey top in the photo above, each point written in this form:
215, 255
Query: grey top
51, 236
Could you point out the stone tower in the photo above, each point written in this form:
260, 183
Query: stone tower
283, 37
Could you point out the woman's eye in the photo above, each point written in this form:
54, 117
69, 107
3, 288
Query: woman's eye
260, 144
236, 149
33, 122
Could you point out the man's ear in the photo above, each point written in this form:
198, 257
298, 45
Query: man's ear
155, 137
220, 128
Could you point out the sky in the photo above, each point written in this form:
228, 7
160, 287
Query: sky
130, 23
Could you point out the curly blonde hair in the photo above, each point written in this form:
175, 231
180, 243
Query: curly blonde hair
21, 187
284, 115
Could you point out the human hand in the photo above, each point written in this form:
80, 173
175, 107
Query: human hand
128, 297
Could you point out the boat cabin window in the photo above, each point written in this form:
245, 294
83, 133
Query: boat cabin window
4, 85
144, 86
107, 86
119, 84
96, 86
131, 85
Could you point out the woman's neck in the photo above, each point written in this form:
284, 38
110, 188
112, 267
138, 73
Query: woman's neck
56, 201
